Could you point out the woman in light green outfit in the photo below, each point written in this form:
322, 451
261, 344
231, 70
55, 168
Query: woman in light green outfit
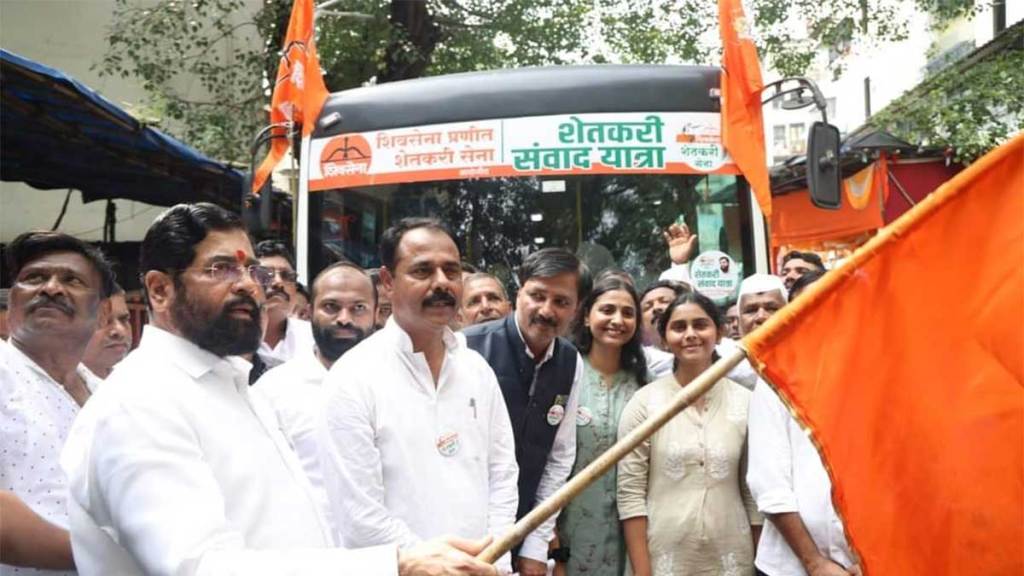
614, 368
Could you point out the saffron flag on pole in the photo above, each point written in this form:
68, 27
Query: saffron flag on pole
741, 84
906, 364
299, 90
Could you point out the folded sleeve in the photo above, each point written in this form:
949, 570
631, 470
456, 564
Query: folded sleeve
770, 457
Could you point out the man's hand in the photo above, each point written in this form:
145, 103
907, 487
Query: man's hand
445, 557
530, 567
826, 567
680, 243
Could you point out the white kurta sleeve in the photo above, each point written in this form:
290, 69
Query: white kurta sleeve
556, 471
631, 483
155, 489
503, 471
353, 470
770, 457
677, 273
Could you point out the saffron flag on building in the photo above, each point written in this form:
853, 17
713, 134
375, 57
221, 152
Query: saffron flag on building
299, 90
906, 364
741, 84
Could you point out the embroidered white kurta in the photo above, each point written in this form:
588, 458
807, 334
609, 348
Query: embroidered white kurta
174, 469
406, 460
688, 480
36, 413
786, 475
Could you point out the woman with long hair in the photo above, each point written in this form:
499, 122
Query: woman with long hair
682, 494
614, 367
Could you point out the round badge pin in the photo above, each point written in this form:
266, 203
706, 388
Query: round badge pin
555, 414
583, 416
448, 444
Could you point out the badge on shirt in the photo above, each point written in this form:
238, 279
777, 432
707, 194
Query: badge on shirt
584, 416
448, 444
555, 414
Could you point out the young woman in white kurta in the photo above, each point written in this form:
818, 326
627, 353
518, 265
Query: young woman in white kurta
682, 497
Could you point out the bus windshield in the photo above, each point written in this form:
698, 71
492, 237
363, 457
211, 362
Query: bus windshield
610, 221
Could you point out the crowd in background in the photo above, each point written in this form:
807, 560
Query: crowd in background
389, 421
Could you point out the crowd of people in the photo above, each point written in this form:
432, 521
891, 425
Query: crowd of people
390, 421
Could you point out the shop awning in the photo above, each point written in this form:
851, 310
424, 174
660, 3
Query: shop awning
57, 133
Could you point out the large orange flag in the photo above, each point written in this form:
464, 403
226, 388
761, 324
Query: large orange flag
907, 366
742, 123
299, 90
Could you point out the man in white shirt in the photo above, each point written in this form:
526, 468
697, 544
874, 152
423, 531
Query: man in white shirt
113, 336
415, 440
804, 535
344, 307
286, 335
173, 467
59, 282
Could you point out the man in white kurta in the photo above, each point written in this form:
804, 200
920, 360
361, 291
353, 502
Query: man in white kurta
416, 439
173, 467
342, 315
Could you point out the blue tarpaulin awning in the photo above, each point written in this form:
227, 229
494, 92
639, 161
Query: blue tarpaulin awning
56, 133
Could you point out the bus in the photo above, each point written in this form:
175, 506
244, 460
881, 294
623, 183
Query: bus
597, 159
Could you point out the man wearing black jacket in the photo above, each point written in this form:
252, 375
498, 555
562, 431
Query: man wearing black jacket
538, 372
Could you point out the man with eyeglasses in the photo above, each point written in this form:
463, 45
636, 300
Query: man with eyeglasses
173, 467
344, 307
286, 335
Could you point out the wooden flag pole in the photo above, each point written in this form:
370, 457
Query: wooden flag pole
686, 396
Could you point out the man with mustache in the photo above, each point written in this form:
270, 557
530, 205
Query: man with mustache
415, 439
173, 466
59, 282
113, 336
286, 334
483, 299
539, 373
344, 306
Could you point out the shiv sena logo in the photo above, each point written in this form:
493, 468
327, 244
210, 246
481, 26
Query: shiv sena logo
346, 155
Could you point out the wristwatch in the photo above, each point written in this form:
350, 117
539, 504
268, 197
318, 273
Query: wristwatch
560, 555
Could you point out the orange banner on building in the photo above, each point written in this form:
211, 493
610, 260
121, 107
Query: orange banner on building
907, 366
742, 120
299, 90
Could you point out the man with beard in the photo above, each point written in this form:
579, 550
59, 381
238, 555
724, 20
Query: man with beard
483, 299
344, 305
59, 282
415, 440
286, 334
173, 467
112, 338
539, 374
795, 264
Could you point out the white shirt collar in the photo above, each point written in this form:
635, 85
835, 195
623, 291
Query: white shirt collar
404, 341
547, 353
194, 360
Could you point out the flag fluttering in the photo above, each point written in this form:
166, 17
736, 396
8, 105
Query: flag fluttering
299, 90
741, 84
906, 364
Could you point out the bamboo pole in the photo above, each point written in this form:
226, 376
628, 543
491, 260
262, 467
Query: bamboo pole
690, 393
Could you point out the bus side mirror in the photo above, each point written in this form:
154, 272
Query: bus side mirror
823, 174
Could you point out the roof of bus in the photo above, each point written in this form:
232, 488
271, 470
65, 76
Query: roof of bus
522, 92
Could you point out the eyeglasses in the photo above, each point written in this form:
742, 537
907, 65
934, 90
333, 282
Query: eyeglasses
231, 273
283, 273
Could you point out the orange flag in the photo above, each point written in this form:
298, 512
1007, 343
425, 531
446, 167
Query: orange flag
907, 366
299, 90
742, 123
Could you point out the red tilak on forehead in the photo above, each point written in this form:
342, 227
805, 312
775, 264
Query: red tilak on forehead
240, 256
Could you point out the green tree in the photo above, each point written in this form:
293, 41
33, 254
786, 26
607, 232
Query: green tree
229, 48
